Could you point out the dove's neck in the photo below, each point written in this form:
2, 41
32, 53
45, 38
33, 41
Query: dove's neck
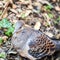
57, 44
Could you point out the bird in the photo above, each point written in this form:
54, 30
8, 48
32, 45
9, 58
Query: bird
31, 43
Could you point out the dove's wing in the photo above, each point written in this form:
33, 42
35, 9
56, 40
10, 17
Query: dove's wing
40, 45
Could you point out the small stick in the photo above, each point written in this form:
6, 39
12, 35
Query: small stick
5, 10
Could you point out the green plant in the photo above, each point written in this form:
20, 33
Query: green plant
57, 20
9, 31
1, 40
2, 55
0, 12
5, 23
50, 15
23, 15
48, 7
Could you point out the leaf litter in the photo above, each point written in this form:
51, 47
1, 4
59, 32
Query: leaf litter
43, 14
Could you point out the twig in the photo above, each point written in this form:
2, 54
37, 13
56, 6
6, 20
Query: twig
5, 10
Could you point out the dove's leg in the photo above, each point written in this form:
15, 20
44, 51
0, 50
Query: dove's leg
25, 53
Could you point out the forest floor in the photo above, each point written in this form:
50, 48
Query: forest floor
45, 12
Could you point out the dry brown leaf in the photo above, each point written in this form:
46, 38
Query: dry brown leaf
57, 8
54, 0
49, 34
37, 25
13, 10
14, 6
57, 36
24, 14
5, 38
4, 14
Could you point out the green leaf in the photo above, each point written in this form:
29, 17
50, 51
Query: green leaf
2, 55
1, 40
4, 23
50, 15
47, 24
9, 31
57, 20
23, 15
48, 7
0, 12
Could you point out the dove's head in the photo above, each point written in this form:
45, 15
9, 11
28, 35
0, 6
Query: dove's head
19, 25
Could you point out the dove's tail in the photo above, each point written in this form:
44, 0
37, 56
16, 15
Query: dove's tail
57, 43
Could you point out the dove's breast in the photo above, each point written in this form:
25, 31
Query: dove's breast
20, 37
